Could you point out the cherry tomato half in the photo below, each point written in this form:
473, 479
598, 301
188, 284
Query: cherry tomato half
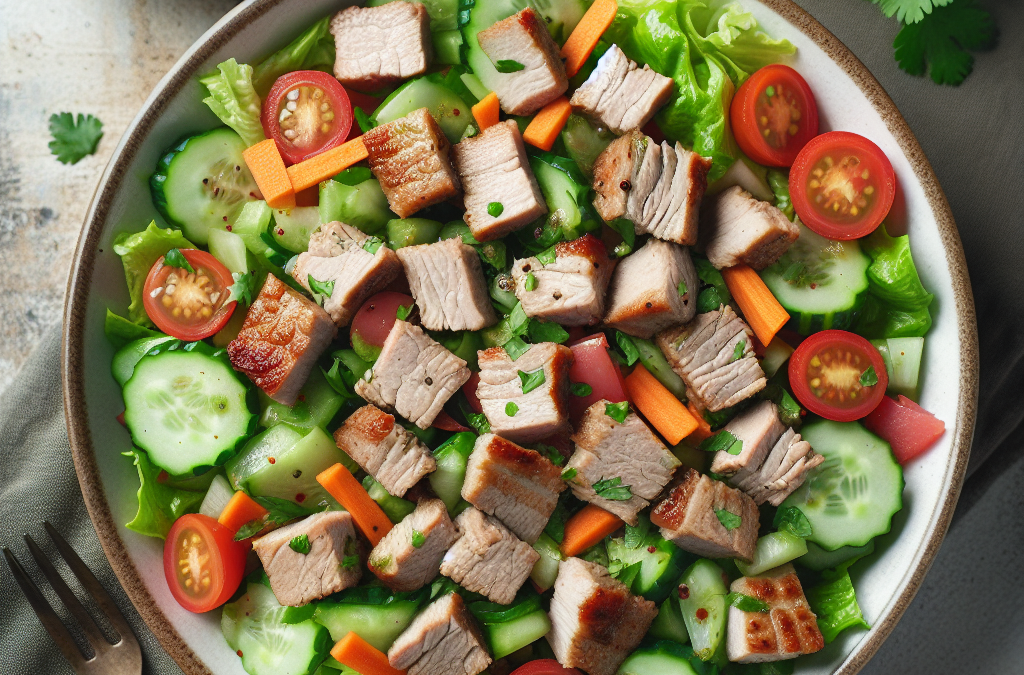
202, 562
593, 367
189, 305
838, 375
306, 112
773, 115
842, 185
373, 322
544, 667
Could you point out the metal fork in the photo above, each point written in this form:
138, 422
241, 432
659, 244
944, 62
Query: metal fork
122, 658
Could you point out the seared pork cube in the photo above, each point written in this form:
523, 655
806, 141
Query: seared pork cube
501, 194
409, 556
652, 288
488, 559
527, 399
757, 428
517, 486
619, 95
409, 156
595, 621
739, 228
569, 291
691, 518
311, 558
443, 639
607, 449
414, 375
283, 335
336, 257
524, 39
380, 46
789, 629
784, 470
613, 173
714, 355
394, 457
447, 280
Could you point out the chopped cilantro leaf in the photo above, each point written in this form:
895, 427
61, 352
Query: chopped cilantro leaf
612, 489
175, 258
511, 409
746, 603
791, 519
628, 347
403, 312
325, 288
681, 288
515, 348
73, 140
350, 561
418, 539
551, 452
547, 331
508, 66
940, 41
617, 411
243, 288
723, 440
581, 389
737, 352
300, 544
531, 282
532, 380
569, 474
869, 377
372, 244
728, 519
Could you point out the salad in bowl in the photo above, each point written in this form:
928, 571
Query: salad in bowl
537, 338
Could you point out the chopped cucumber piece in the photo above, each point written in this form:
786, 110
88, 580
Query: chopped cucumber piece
293, 227
776, 354
902, 358
654, 361
125, 359
378, 624
217, 497
749, 175
565, 191
447, 47
818, 559
664, 658
230, 249
317, 405
511, 636
669, 624
363, 205
773, 549
584, 142
659, 569
412, 232
704, 608
447, 108
451, 457
395, 508
545, 570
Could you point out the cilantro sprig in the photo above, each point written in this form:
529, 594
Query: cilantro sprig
73, 140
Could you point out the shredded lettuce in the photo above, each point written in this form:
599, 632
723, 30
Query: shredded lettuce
834, 601
313, 50
731, 33
897, 303
138, 251
234, 100
159, 503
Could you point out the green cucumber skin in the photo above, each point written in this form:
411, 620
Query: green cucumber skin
669, 624
377, 624
511, 636
773, 549
707, 591
125, 359
545, 570
818, 559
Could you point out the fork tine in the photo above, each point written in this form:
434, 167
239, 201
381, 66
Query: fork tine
67, 596
92, 586
51, 622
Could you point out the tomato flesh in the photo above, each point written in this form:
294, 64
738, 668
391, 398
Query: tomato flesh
469, 389
189, 305
375, 319
306, 112
831, 375
203, 563
593, 366
906, 426
545, 667
773, 115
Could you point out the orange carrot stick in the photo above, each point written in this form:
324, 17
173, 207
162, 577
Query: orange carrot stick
312, 171
580, 45
543, 130
703, 430
267, 169
486, 111
240, 509
661, 408
359, 655
343, 486
588, 526
760, 308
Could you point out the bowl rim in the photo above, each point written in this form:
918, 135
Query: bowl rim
187, 67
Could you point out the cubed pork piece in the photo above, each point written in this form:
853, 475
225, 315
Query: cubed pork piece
488, 559
789, 629
336, 257
651, 289
409, 556
569, 291
524, 38
409, 156
413, 376
784, 470
689, 518
443, 639
516, 485
380, 46
757, 428
606, 449
283, 335
704, 353
738, 228
595, 621
447, 280
329, 565
494, 169
394, 457
613, 173
541, 412
621, 96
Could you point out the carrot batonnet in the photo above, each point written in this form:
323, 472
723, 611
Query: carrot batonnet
344, 487
267, 169
580, 45
762, 311
703, 430
240, 509
330, 163
486, 111
362, 657
543, 130
661, 408
588, 526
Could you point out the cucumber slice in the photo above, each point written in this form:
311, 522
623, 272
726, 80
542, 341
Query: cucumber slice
412, 232
202, 183
545, 570
902, 358
584, 142
851, 497
363, 205
654, 361
818, 559
822, 283
447, 108
317, 405
451, 457
663, 658
659, 569
229, 248
377, 624
564, 194
704, 609
187, 410
776, 354
749, 175
511, 636
125, 359
395, 508
292, 227
447, 47
669, 624
217, 497
773, 549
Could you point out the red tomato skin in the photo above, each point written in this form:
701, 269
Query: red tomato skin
227, 559
800, 359
155, 312
272, 107
545, 667
593, 366
375, 319
906, 426
446, 422
469, 389
742, 117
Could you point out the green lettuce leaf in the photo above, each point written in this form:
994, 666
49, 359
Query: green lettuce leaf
120, 331
233, 99
835, 603
138, 251
159, 504
892, 275
313, 50
732, 34
878, 321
